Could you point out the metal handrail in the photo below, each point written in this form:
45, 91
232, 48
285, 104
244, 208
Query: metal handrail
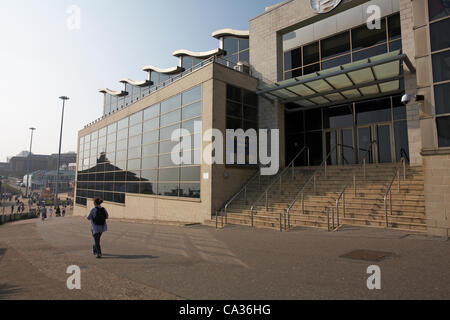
342, 194
244, 189
280, 176
389, 190
312, 178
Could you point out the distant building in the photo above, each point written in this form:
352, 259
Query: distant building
42, 179
18, 165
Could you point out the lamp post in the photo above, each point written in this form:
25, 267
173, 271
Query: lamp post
63, 98
28, 162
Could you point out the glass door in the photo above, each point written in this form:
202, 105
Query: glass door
347, 147
364, 144
384, 146
330, 143
338, 143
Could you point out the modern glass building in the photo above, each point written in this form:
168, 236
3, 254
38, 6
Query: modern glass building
331, 76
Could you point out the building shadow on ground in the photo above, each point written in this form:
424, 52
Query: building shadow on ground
128, 257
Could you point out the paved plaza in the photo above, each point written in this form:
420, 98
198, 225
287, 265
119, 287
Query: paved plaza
150, 261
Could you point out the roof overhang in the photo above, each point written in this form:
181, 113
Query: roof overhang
173, 70
200, 55
144, 83
364, 79
231, 32
114, 93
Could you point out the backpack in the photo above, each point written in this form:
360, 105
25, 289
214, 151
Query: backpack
100, 217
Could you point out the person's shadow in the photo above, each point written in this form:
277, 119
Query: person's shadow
127, 257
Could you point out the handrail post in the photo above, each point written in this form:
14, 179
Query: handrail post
343, 204
251, 216
303, 203
337, 213
222, 220
314, 184
267, 201
404, 168
327, 213
390, 201
398, 176
217, 222
385, 211
289, 218
332, 216
245, 195
364, 166
354, 183
281, 225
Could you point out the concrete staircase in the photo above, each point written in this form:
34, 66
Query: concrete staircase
365, 208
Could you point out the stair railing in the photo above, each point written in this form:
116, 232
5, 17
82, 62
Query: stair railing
342, 194
312, 179
388, 194
243, 190
280, 178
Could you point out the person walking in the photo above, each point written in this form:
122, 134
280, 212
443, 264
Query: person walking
64, 211
43, 213
98, 217
58, 212
12, 209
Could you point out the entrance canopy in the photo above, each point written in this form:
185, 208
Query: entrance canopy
364, 79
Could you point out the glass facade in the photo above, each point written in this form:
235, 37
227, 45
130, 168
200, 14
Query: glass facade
346, 47
236, 49
353, 127
241, 113
134, 155
439, 16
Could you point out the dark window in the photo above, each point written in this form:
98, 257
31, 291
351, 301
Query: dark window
230, 45
438, 9
313, 119
336, 45
234, 93
243, 44
442, 98
394, 28
443, 130
148, 188
373, 111
191, 190
363, 37
371, 52
441, 66
293, 59
440, 37
190, 174
168, 189
338, 117
336, 62
311, 53
311, 69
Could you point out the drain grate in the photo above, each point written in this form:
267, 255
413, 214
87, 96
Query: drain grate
367, 255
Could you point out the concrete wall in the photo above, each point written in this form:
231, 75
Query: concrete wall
437, 194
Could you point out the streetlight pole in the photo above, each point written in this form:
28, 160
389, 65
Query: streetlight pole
63, 98
28, 162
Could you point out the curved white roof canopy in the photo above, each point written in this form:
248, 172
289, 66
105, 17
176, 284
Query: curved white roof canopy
231, 32
144, 83
113, 93
201, 55
173, 70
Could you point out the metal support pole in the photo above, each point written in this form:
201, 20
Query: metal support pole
337, 212
59, 153
332, 216
364, 166
327, 213
390, 201
314, 184
281, 223
267, 201
385, 211
354, 183
343, 204
289, 218
217, 222
221, 217
251, 216
303, 203
308, 158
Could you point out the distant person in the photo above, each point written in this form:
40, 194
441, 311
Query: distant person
58, 211
50, 212
64, 211
43, 213
12, 209
98, 217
